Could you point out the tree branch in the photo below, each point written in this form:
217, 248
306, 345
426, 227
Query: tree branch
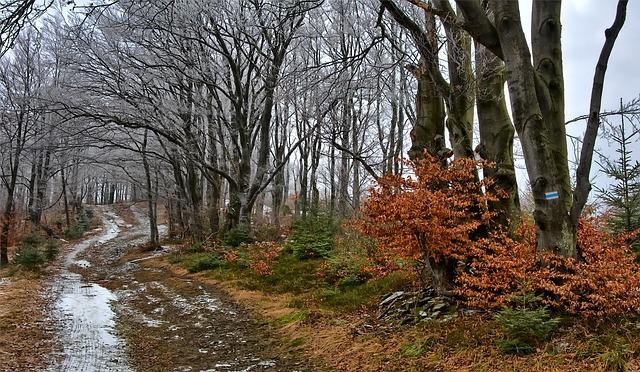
583, 185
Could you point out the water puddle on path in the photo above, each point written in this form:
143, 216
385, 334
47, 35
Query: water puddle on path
85, 314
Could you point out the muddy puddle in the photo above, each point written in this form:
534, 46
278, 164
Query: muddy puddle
83, 310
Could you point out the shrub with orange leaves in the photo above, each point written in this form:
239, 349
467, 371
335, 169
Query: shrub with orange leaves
605, 281
262, 256
431, 216
437, 214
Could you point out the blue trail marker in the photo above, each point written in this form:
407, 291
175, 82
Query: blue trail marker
551, 195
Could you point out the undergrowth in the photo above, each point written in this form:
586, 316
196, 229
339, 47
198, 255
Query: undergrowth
339, 280
34, 252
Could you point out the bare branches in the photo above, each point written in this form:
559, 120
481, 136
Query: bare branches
14, 15
583, 186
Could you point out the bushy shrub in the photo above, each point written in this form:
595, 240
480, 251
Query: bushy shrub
195, 248
438, 215
74, 232
51, 249
267, 233
431, 216
33, 252
237, 236
29, 257
524, 327
313, 236
209, 262
84, 220
88, 213
30, 241
602, 283
347, 265
262, 257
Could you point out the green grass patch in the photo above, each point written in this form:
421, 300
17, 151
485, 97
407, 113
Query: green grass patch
418, 347
293, 317
291, 275
297, 342
297, 303
208, 262
354, 297
296, 276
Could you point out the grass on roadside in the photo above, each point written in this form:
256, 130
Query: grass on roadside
294, 276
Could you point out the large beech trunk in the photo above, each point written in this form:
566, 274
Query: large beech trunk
428, 134
537, 106
496, 135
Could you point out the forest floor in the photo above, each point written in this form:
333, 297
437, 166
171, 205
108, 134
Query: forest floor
107, 305
102, 308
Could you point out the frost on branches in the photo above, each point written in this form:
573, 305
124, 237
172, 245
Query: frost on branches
439, 219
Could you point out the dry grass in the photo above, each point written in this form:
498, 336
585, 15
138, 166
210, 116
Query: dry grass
26, 337
358, 341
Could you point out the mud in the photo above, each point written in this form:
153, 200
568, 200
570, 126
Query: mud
120, 315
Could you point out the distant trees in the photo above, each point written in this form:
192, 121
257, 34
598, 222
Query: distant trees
21, 82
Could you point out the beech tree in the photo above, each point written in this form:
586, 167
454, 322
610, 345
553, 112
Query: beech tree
536, 89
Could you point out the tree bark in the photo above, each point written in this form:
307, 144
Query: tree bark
541, 136
153, 220
496, 136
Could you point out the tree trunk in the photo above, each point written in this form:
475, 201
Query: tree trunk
64, 197
315, 162
7, 215
428, 130
538, 119
496, 136
153, 221
343, 180
41, 190
583, 183
460, 93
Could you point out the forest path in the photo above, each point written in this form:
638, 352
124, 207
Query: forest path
116, 314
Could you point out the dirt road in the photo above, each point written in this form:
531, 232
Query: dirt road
118, 315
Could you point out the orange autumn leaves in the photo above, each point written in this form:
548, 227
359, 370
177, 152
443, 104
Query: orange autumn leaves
434, 213
439, 213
